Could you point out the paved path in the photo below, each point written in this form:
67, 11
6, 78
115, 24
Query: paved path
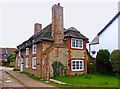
9, 81
28, 82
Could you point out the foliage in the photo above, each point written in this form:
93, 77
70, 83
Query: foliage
16, 69
4, 62
103, 63
91, 66
11, 57
115, 60
59, 69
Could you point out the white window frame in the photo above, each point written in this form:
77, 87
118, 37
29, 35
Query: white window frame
80, 66
27, 51
34, 48
27, 62
19, 62
34, 63
77, 43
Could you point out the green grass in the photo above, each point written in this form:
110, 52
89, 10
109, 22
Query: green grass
94, 80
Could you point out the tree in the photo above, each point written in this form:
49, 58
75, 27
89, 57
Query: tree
11, 57
103, 63
115, 60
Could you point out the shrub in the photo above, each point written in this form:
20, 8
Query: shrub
59, 69
115, 60
91, 66
103, 63
4, 62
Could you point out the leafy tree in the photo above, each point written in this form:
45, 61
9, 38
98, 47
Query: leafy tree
115, 60
11, 57
103, 63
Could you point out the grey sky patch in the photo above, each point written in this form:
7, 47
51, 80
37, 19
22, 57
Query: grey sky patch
18, 18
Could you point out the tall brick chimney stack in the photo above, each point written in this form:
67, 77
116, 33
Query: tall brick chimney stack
37, 28
57, 23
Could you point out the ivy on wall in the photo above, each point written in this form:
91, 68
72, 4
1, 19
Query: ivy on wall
59, 69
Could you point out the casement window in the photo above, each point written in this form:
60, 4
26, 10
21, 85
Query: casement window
34, 48
77, 65
77, 43
27, 51
19, 62
34, 63
27, 62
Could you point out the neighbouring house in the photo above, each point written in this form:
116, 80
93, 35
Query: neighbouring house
108, 37
53, 43
4, 52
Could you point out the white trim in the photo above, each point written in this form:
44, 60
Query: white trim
27, 62
80, 64
76, 44
34, 63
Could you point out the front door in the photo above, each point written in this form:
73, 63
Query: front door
21, 66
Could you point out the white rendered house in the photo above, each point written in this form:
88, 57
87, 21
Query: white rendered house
108, 37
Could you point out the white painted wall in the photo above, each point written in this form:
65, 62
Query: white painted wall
108, 39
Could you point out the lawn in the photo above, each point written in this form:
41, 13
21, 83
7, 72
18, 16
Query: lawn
94, 80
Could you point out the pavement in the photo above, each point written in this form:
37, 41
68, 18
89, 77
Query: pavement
28, 82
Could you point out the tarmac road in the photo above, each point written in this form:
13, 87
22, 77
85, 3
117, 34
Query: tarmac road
6, 80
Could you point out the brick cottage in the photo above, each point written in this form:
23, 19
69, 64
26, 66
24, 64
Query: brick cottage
53, 43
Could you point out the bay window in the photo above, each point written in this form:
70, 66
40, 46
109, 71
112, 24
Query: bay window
77, 43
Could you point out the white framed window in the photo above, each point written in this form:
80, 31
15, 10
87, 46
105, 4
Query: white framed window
77, 65
34, 48
77, 43
34, 63
27, 62
19, 62
27, 51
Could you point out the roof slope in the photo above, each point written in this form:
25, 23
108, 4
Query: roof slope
116, 16
96, 39
45, 35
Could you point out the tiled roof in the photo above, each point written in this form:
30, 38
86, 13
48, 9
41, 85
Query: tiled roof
45, 35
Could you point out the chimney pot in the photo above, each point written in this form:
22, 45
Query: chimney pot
37, 28
58, 4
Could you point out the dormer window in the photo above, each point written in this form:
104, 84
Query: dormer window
34, 48
27, 51
77, 43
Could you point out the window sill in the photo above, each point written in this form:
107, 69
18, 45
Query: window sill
34, 68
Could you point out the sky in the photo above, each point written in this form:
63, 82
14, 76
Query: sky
18, 17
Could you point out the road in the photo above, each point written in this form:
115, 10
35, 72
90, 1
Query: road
6, 80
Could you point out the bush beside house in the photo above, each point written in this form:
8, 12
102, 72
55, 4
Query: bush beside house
103, 63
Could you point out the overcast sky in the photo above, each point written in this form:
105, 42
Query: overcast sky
18, 18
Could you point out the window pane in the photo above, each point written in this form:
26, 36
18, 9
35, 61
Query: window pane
73, 42
80, 43
76, 43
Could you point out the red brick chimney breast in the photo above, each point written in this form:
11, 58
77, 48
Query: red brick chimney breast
57, 23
